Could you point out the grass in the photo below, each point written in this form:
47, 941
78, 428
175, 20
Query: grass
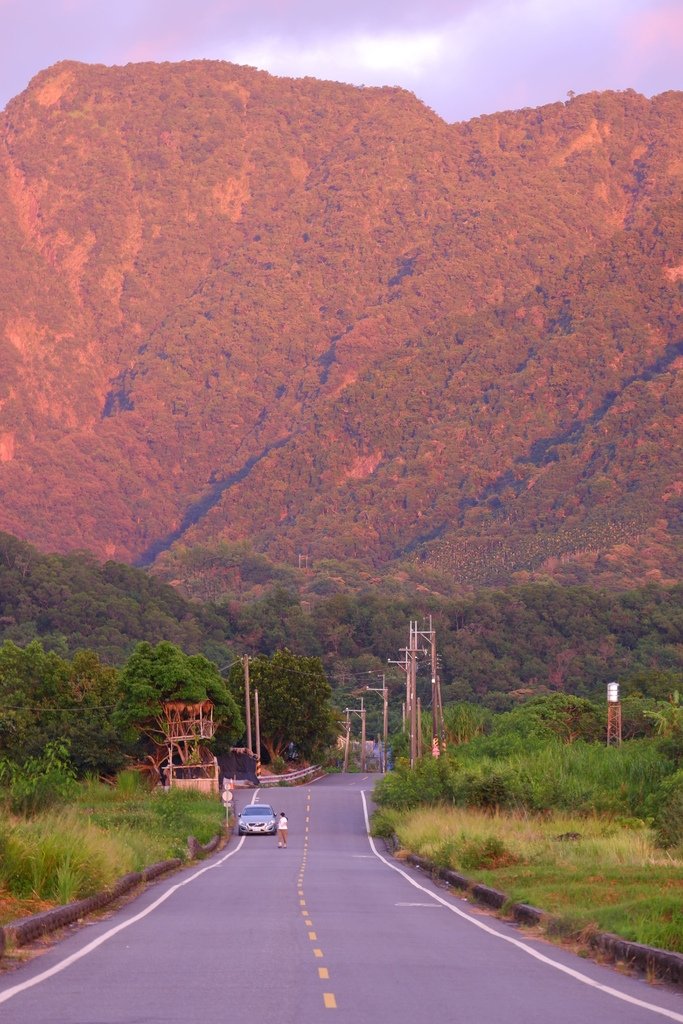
587, 871
79, 849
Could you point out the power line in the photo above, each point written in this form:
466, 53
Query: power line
61, 711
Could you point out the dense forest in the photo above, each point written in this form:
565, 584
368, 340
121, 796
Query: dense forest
318, 320
497, 647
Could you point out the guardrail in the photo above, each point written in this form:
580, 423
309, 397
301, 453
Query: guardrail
296, 776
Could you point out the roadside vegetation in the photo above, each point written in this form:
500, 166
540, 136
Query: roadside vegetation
590, 872
534, 804
81, 746
80, 837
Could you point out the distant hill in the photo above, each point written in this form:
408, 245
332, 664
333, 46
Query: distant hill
497, 647
318, 320
71, 602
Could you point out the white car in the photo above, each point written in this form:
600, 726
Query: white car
257, 820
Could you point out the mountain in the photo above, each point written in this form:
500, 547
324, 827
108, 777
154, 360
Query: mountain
319, 320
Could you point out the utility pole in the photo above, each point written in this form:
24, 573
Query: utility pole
258, 733
385, 718
361, 713
429, 635
362, 735
247, 701
412, 682
385, 724
405, 665
409, 666
347, 740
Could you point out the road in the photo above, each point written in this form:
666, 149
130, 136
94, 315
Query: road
331, 928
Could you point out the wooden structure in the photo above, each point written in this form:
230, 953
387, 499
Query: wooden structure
190, 764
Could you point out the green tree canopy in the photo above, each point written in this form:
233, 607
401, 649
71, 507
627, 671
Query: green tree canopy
561, 715
294, 701
154, 675
45, 698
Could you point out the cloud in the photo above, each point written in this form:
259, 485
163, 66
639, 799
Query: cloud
462, 57
360, 59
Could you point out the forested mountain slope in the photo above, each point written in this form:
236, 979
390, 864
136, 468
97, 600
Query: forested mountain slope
497, 647
319, 319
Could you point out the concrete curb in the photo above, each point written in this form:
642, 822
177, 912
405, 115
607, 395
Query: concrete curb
660, 963
195, 848
28, 929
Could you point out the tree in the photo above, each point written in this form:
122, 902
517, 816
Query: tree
155, 675
562, 715
464, 721
669, 718
46, 699
294, 702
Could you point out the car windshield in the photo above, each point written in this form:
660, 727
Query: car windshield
257, 812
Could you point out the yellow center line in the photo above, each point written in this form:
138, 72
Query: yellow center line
302, 903
323, 972
318, 953
308, 923
304, 913
313, 937
330, 1001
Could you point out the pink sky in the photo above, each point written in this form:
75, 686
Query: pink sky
462, 57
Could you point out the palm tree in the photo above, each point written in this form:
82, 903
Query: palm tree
669, 720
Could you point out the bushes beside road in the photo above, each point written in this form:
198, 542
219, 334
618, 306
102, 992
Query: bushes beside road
77, 848
589, 872
592, 834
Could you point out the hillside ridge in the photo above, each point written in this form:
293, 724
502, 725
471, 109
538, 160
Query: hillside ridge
320, 320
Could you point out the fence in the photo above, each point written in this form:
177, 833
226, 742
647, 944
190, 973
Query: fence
289, 777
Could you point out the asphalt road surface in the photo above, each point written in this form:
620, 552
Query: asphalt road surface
329, 929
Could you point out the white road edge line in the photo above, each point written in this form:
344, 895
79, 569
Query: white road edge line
583, 978
63, 964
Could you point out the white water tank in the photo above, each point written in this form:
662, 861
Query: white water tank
613, 693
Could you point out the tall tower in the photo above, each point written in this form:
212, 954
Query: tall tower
613, 715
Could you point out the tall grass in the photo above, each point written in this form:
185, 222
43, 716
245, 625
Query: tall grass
59, 854
588, 871
583, 778
107, 831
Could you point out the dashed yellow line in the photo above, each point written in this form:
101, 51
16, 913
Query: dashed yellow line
313, 937
323, 973
308, 923
330, 1001
318, 953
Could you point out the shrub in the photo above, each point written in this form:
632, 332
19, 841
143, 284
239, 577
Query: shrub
489, 788
431, 781
669, 819
486, 852
382, 825
40, 782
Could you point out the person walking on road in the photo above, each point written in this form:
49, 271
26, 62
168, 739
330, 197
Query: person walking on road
282, 827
